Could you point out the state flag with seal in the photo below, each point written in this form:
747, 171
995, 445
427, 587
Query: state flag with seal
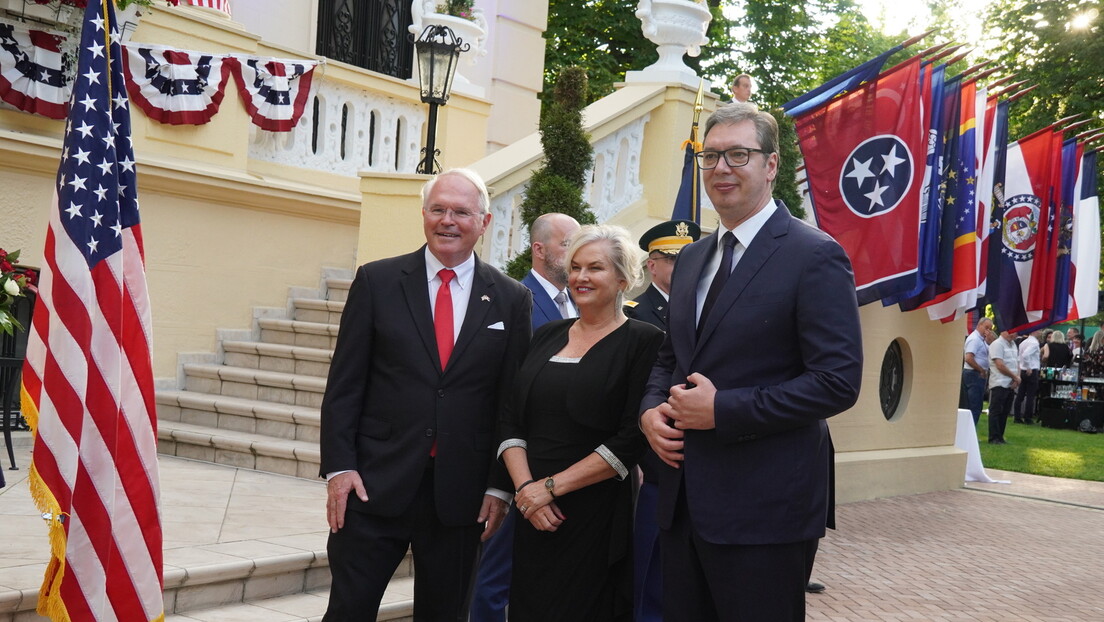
865, 155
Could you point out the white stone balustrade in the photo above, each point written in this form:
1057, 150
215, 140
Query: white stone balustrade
612, 185
379, 133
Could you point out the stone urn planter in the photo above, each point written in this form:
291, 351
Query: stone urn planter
677, 27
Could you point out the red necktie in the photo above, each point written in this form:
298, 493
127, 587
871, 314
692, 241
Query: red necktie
442, 317
442, 326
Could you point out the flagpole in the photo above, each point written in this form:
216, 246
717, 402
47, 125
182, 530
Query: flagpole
1016, 96
995, 83
984, 74
695, 204
1011, 88
945, 53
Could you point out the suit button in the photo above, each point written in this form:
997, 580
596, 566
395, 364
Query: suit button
429, 431
440, 392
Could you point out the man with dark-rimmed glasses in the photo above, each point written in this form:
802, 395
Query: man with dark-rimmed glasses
763, 345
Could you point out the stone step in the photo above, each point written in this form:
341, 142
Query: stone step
397, 606
238, 449
268, 588
295, 333
314, 310
338, 289
254, 384
285, 421
277, 357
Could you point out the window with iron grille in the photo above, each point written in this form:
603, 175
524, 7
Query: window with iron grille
367, 33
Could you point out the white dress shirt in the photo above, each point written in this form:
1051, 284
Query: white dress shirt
551, 290
460, 287
745, 232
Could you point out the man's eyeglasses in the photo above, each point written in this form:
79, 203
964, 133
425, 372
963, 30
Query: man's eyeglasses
735, 157
457, 214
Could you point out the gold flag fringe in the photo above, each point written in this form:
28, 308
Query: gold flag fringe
50, 603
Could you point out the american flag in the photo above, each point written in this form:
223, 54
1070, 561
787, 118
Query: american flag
221, 5
88, 380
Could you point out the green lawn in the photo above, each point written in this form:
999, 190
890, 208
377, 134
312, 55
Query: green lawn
1044, 451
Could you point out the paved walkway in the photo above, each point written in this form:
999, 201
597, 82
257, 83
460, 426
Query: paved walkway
1032, 550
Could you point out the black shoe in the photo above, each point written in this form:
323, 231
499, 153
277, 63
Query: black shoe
813, 587
1019, 421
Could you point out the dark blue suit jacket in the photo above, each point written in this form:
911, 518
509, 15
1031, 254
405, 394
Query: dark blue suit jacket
783, 348
544, 308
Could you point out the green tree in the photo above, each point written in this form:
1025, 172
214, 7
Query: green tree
558, 185
1056, 45
603, 36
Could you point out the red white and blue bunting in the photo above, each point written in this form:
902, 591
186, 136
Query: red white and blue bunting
274, 92
186, 87
33, 71
175, 86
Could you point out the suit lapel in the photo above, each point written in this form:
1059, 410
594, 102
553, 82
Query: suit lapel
684, 293
540, 298
416, 291
754, 258
479, 304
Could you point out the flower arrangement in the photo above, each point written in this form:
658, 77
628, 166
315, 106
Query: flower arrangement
457, 8
12, 285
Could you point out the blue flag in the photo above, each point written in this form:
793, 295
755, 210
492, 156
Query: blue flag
846, 81
688, 202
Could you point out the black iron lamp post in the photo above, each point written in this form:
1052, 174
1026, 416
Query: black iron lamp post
438, 51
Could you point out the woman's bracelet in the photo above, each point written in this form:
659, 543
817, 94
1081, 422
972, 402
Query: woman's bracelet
523, 486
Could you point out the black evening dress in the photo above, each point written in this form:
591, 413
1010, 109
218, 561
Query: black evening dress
582, 571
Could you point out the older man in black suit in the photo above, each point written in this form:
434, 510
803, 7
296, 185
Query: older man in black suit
763, 345
429, 343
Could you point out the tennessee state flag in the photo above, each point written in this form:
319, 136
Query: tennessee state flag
864, 156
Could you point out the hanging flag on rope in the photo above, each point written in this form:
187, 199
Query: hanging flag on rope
32, 71
87, 379
274, 92
177, 87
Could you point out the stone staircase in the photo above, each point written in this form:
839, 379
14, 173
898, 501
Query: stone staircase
255, 405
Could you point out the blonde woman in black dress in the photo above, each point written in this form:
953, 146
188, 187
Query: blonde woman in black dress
571, 437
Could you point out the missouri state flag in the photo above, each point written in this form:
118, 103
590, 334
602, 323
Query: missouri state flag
1018, 230
864, 155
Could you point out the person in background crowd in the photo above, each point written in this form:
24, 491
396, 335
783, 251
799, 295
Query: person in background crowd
1030, 355
570, 436
975, 367
741, 88
1004, 377
743, 427
551, 301
1092, 361
1056, 352
429, 342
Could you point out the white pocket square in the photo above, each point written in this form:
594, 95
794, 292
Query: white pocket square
497, 326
